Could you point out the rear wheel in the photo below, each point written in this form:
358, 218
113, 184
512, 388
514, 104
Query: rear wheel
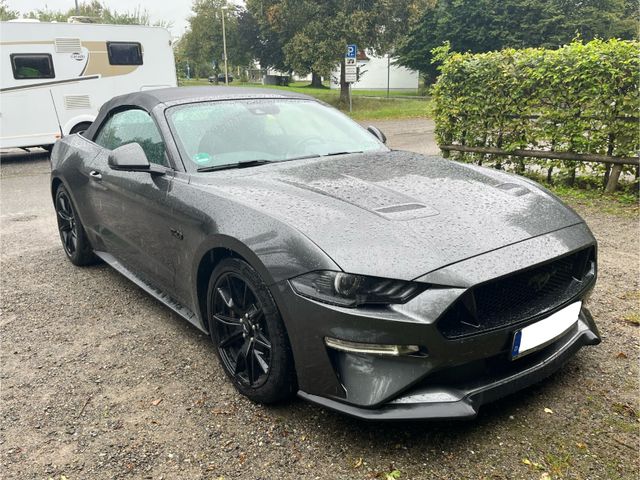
80, 128
74, 239
250, 338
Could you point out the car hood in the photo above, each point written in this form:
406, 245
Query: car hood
397, 214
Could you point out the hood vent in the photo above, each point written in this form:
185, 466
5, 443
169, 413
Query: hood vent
68, 45
400, 208
514, 189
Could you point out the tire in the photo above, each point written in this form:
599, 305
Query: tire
244, 319
80, 128
72, 234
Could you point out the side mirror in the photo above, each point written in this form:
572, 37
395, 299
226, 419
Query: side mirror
375, 131
131, 157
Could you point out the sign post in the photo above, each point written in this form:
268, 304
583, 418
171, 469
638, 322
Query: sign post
351, 69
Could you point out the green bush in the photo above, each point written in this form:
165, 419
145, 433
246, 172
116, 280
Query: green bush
580, 98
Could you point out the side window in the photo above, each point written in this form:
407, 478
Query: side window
27, 66
133, 126
124, 53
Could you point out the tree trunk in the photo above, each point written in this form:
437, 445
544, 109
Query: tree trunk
616, 170
344, 86
316, 80
572, 176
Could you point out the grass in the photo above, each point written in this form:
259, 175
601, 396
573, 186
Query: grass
618, 203
624, 202
367, 104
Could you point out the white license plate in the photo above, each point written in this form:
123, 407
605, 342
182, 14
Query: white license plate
537, 335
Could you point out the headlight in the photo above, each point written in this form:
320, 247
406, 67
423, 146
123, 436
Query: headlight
348, 290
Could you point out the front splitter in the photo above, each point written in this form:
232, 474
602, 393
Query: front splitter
412, 406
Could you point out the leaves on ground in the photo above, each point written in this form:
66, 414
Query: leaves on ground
537, 466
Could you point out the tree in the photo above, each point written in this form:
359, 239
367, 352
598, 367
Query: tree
5, 13
202, 44
313, 35
485, 25
258, 35
99, 13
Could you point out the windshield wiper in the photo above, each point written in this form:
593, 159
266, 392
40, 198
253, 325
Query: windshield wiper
228, 166
339, 153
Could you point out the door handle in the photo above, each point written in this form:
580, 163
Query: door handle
96, 175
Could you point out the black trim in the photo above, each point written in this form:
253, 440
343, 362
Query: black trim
48, 56
44, 84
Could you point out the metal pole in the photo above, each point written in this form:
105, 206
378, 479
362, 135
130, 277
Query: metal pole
350, 101
388, 73
77, 9
224, 46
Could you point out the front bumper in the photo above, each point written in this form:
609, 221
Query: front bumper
452, 376
462, 400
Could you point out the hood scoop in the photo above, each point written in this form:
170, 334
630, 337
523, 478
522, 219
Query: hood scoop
372, 197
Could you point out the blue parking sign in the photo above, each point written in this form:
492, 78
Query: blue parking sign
352, 51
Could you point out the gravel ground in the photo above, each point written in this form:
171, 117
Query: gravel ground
98, 380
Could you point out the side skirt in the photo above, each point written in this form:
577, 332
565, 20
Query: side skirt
159, 295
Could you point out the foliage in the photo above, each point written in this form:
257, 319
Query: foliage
6, 13
98, 12
202, 44
485, 25
581, 98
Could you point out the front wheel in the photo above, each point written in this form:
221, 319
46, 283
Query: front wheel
74, 239
248, 332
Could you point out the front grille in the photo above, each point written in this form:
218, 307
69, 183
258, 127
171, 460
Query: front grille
520, 296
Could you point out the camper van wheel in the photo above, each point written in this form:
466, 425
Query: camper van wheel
80, 128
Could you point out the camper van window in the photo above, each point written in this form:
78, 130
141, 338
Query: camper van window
28, 66
124, 53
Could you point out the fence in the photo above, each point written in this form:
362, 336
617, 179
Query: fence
571, 108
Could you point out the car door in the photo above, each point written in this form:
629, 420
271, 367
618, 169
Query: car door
131, 206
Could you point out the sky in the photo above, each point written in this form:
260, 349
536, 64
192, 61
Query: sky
175, 11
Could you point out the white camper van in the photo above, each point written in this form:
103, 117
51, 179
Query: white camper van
54, 77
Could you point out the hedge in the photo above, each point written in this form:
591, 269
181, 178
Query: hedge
581, 98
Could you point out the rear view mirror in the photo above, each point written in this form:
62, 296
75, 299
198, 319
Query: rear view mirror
131, 157
375, 131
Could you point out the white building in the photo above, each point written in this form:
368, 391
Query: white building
376, 73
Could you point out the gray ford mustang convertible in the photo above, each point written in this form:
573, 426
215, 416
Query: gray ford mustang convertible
379, 283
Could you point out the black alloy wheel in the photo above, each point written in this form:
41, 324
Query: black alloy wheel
74, 239
67, 223
243, 337
250, 338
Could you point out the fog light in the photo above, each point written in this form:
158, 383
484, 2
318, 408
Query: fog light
371, 348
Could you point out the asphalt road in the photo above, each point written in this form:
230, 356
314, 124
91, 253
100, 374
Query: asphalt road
98, 380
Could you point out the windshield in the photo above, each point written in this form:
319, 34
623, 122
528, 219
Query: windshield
214, 134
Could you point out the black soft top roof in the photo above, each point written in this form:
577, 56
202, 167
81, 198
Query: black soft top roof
149, 99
